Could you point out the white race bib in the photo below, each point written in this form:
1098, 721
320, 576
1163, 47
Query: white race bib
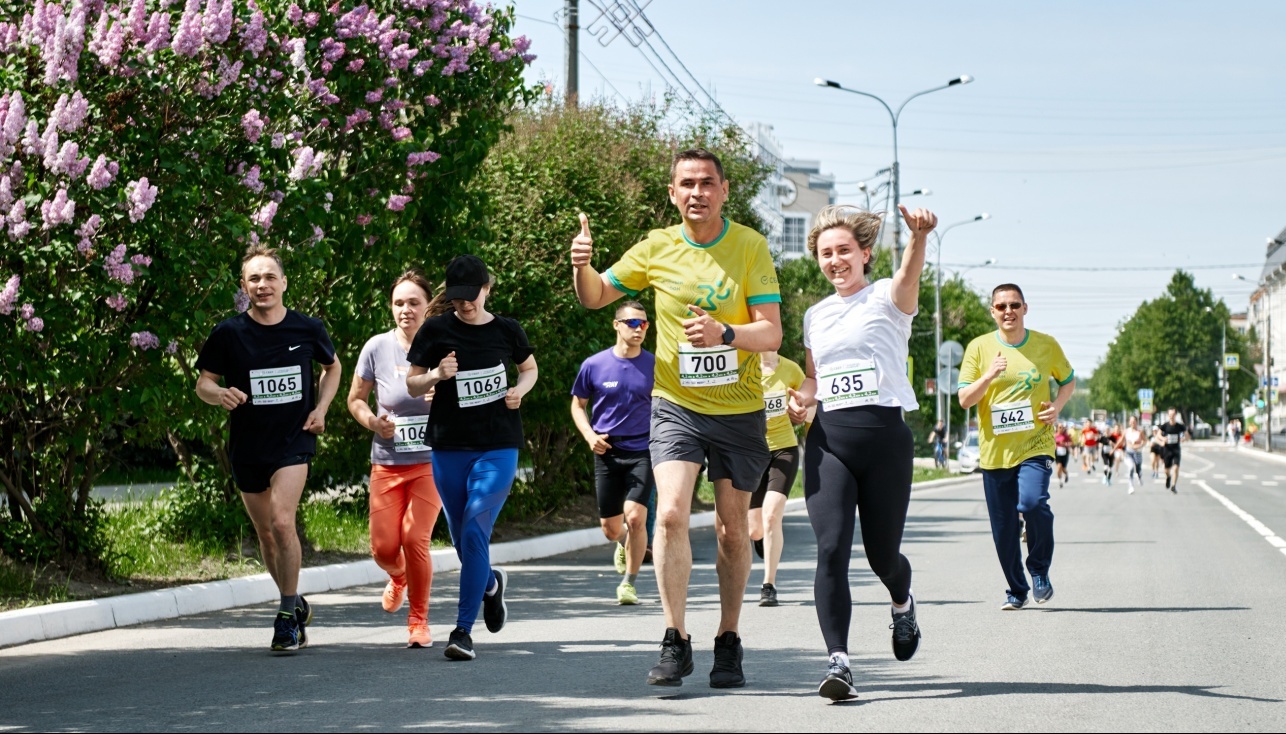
411, 433
479, 387
707, 366
1012, 417
1171, 439
1060, 451
277, 385
848, 383
775, 404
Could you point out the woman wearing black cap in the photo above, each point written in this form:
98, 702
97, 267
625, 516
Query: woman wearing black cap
474, 429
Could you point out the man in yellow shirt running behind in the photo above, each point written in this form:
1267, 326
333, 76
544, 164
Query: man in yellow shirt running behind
1020, 380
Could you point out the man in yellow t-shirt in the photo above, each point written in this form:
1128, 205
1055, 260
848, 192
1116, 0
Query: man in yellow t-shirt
1020, 380
717, 308
768, 503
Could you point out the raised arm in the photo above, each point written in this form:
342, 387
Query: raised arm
906, 282
593, 289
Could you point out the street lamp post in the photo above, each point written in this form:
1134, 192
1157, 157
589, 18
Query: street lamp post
1268, 347
895, 174
937, 305
1222, 372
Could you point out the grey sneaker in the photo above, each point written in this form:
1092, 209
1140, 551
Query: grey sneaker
676, 661
768, 596
1012, 603
1042, 589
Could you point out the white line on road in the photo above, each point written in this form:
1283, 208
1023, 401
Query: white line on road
1249, 476
1250, 520
1232, 481
1267, 483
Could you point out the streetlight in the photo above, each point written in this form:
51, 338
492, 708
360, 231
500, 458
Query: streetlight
1223, 384
937, 303
894, 116
1268, 346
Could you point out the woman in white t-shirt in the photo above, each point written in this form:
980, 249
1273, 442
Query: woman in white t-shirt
404, 498
1134, 441
858, 455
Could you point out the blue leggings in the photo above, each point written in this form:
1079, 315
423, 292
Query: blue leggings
473, 486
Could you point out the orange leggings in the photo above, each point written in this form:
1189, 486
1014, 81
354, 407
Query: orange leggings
404, 509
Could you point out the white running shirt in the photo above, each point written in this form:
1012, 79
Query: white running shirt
864, 326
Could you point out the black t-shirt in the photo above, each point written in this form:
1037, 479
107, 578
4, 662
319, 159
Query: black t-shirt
469, 411
273, 366
1173, 433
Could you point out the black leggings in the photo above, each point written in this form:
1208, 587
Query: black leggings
857, 461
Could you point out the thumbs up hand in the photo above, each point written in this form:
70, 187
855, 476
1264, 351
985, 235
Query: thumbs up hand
582, 245
920, 221
998, 366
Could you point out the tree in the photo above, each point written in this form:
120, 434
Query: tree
1172, 346
143, 146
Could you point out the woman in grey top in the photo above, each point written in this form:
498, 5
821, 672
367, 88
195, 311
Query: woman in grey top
404, 499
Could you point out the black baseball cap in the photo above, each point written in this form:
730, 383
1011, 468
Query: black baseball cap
466, 274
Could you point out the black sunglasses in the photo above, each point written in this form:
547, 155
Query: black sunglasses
633, 323
1011, 306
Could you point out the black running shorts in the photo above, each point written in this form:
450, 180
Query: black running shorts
734, 446
256, 478
620, 476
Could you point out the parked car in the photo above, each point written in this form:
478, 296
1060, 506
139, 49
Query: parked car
967, 453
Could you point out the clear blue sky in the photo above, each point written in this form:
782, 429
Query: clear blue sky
1098, 134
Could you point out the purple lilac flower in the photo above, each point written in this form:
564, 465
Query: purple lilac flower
318, 234
137, 21
278, 140
297, 58
109, 51
141, 260
118, 302
158, 32
15, 120
6, 196
172, 347
144, 340
100, 177
303, 164
59, 210
216, 25
356, 65
141, 197
432, 100
18, 224
90, 227
253, 37
253, 124
398, 202
415, 159
251, 180
9, 295
27, 311
116, 267
364, 219
311, 19
375, 96
294, 13
263, 217
189, 36
35, 324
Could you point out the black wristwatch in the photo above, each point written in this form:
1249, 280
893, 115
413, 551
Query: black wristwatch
728, 334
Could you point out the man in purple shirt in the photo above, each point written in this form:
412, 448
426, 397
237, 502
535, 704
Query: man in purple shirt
616, 386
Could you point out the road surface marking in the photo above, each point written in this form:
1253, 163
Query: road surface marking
1273, 539
1249, 476
1269, 484
1233, 481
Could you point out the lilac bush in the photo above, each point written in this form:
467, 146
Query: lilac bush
145, 143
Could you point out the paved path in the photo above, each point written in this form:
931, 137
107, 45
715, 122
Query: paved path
1167, 616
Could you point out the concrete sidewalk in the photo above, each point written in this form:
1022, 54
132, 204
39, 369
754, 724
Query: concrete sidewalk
77, 617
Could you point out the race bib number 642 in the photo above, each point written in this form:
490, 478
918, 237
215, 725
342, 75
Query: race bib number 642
1012, 417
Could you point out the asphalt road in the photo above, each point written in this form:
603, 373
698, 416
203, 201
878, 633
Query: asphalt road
1167, 616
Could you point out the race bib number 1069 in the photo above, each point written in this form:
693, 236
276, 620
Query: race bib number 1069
479, 387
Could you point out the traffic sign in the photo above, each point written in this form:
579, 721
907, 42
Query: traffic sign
1145, 394
1232, 361
930, 387
950, 354
1276, 382
949, 376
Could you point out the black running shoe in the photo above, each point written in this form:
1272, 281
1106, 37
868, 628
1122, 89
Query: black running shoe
304, 617
494, 611
759, 547
768, 596
838, 683
1167, 481
676, 661
906, 634
460, 646
726, 672
285, 633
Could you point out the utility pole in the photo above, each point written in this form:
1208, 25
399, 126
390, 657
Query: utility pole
1268, 382
1223, 383
572, 12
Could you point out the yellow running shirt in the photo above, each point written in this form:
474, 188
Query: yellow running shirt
781, 432
1009, 430
724, 278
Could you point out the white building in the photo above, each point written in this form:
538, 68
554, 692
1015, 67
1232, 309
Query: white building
1268, 314
767, 203
807, 191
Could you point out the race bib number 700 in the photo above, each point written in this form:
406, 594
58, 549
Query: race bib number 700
277, 385
707, 366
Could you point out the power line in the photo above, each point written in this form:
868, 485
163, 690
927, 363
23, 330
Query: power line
583, 55
1137, 268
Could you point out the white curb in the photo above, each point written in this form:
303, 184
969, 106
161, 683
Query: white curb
72, 618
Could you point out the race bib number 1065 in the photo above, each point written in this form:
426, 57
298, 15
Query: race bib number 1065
277, 385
